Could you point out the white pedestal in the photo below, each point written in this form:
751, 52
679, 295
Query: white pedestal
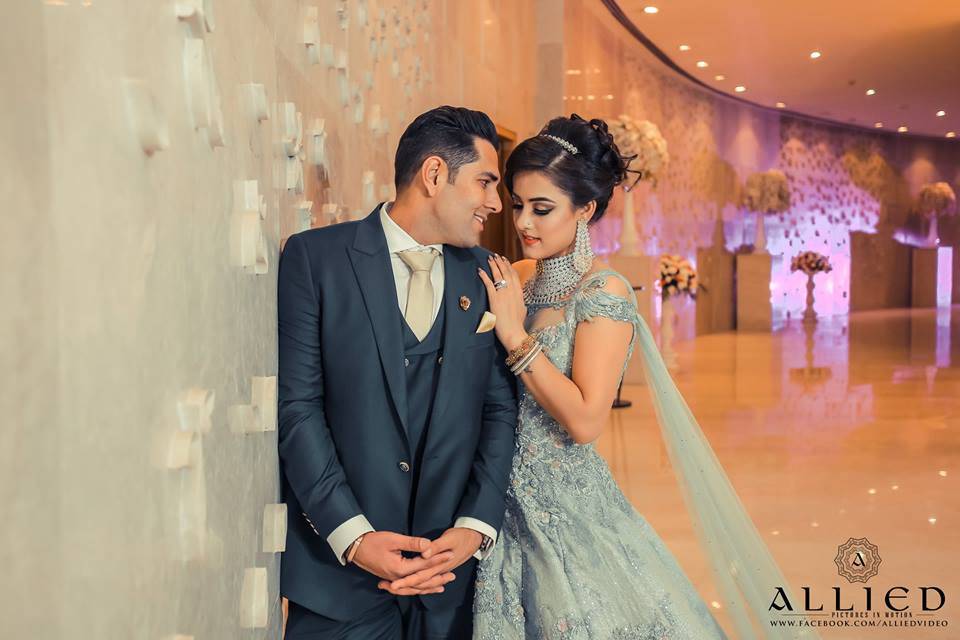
932, 281
754, 309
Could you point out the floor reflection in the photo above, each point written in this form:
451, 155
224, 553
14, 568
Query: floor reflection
845, 429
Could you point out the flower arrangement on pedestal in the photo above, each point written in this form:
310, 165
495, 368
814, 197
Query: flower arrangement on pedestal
811, 263
677, 277
642, 140
935, 199
765, 192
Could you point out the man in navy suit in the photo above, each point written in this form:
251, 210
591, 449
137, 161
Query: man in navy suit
397, 412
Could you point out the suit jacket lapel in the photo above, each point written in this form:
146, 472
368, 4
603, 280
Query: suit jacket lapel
371, 264
458, 273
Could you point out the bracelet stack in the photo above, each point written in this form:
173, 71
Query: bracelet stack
520, 358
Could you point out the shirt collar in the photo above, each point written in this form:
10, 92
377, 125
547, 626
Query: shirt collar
397, 239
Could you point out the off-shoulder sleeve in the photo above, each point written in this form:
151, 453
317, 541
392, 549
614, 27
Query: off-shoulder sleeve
592, 301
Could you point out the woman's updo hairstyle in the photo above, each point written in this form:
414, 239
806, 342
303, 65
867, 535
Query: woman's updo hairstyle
589, 174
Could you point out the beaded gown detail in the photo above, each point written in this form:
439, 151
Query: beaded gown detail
574, 559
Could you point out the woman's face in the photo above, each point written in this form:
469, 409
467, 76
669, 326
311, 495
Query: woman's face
544, 216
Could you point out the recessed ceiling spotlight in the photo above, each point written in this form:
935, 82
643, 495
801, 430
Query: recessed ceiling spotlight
719, 77
609, 96
650, 10
702, 64
871, 92
941, 113
591, 97
684, 47
902, 129
814, 55
574, 72
781, 105
951, 134
878, 125
740, 88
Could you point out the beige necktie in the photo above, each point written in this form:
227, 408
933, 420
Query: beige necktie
419, 310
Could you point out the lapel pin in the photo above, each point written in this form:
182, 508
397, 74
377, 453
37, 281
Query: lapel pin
464, 302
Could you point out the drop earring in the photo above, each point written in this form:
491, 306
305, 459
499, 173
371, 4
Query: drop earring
582, 249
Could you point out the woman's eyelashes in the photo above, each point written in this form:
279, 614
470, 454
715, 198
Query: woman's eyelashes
540, 212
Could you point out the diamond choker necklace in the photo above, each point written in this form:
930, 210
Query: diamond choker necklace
555, 279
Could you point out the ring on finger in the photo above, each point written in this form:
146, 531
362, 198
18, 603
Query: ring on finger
500, 284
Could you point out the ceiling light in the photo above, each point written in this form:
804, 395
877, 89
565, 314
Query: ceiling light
781, 105
814, 55
573, 72
684, 47
902, 129
878, 125
650, 10
951, 134
591, 97
740, 88
941, 113
719, 76
702, 64
871, 92
609, 96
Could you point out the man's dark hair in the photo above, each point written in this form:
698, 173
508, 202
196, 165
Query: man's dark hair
447, 132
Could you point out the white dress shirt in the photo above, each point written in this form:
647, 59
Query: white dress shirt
399, 240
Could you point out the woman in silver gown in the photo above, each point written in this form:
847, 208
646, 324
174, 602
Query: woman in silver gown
574, 559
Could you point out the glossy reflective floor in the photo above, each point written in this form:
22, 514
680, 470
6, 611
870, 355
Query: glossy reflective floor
848, 430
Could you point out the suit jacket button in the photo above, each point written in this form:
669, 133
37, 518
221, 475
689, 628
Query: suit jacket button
440, 360
406, 362
404, 466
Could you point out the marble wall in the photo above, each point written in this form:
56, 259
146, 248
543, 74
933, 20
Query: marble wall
842, 180
154, 156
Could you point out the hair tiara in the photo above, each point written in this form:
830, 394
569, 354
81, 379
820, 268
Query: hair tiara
572, 150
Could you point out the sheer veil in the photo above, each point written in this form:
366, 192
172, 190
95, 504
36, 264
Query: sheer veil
746, 573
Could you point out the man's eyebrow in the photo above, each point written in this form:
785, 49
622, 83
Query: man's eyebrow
489, 175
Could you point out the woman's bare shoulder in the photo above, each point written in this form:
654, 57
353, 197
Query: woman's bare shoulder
525, 268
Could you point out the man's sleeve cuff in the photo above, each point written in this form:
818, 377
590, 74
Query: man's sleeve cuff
484, 529
343, 536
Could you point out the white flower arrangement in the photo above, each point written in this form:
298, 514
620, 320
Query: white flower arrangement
810, 262
767, 192
677, 276
641, 138
935, 199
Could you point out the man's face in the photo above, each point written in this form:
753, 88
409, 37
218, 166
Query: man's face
464, 205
